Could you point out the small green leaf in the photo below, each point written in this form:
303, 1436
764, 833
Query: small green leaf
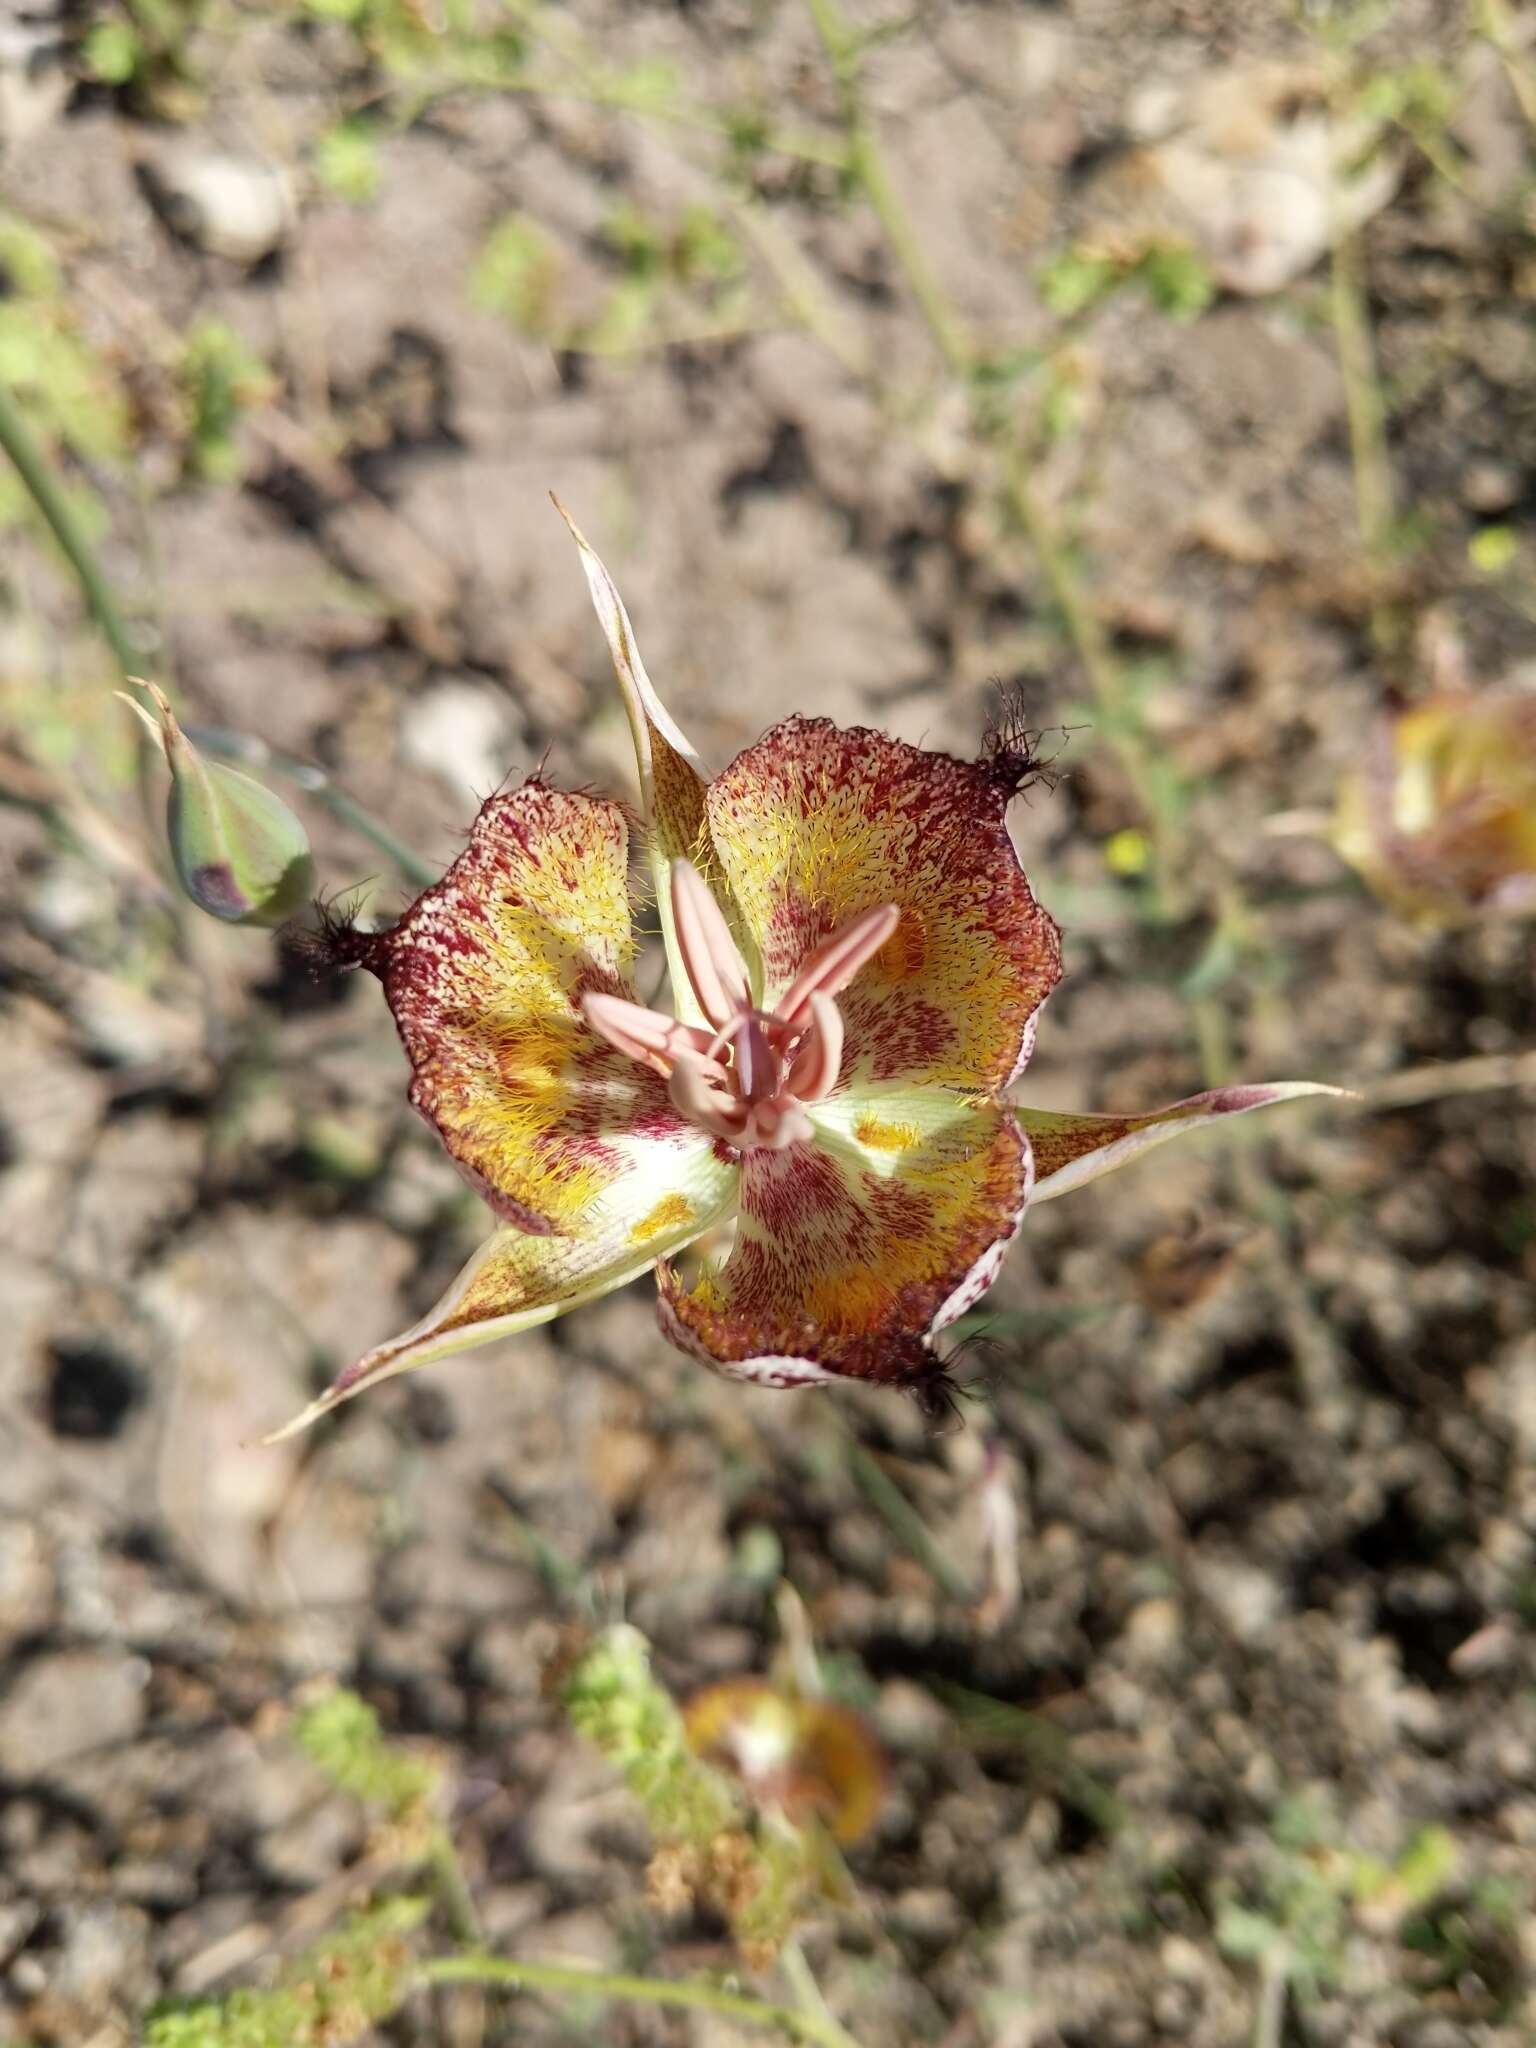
223, 377
333, 1995
347, 161
516, 274
113, 52
1075, 279
340, 1734
1177, 279
1246, 1936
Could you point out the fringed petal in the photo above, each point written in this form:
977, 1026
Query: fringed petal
661, 1201
815, 826
852, 1252
1071, 1150
485, 975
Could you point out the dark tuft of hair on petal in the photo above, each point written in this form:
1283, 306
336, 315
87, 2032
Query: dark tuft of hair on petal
335, 942
973, 1360
1016, 754
938, 1401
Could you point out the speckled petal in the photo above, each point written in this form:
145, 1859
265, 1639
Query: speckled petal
1071, 1150
485, 976
815, 825
850, 1253
661, 1202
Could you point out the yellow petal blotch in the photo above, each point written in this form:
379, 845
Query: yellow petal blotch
668, 1212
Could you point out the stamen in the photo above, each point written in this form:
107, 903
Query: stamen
833, 964
713, 964
647, 1035
707, 1106
813, 1071
739, 1081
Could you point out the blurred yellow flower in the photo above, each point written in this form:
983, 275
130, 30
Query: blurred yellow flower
1440, 817
797, 1756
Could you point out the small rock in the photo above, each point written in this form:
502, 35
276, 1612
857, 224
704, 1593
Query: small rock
18, 1917
102, 1953
927, 1914
1247, 164
34, 82
909, 1717
63, 1705
234, 206
461, 732
583, 1938
1182, 1960
311, 1848
26, 1582
1153, 1631
1489, 487
1248, 1598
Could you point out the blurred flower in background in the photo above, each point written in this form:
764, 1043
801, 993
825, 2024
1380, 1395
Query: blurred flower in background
1440, 816
796, 1755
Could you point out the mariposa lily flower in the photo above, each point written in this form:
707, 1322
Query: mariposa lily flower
857, 966
1439, 816
796, 1755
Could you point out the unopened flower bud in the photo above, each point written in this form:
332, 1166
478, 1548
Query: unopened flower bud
238, 850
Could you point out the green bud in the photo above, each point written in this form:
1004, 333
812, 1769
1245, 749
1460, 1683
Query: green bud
239, 852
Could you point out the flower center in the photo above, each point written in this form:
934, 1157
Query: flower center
748, 1081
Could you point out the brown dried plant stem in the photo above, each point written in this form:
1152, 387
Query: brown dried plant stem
58, 515
818, 2028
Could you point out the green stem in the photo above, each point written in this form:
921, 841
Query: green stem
807, 1991
42, 486
478, 1969
1365, 412
453, 1889
1274, 1980
314, 781
866, 159
32, 467
1104, 681
600, 89
906, 1524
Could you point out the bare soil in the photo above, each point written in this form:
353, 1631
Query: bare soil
1267, 1405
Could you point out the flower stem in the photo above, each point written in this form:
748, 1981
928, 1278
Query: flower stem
906, 1524
807, 1991
32, 468
315, 782
43, 487
1365, 411
866, 160
814, 2027
453, 1889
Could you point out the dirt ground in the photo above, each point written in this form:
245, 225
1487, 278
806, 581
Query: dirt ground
1265, 1405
